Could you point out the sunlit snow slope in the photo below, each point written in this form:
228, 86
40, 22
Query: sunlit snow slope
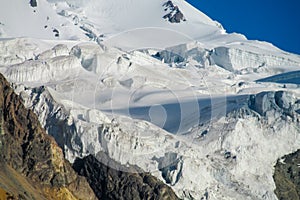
109, 19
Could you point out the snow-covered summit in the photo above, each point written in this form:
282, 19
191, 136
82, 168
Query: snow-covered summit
92, 19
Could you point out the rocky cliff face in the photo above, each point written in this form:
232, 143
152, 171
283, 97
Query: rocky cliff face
32, 164
174, 15
287, 177
121, 182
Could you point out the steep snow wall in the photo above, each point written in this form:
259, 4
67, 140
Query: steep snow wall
229, 57
52, 69
237, 59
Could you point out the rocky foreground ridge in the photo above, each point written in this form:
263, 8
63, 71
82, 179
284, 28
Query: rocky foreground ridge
32, 164
287, 177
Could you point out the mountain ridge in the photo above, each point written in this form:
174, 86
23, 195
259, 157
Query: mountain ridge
22, 143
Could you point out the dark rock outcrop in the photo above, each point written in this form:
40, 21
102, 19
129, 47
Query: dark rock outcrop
56, 32
110, 180
33, 3
174, 15
31, 157
287, 177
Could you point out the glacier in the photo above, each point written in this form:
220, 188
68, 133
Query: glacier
180, 101
84, 127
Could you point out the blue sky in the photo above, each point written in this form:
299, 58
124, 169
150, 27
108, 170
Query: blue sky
275, 21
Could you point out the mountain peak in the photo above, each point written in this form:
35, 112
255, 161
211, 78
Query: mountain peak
75, 19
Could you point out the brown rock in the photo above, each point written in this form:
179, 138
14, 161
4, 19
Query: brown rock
287, 177
111, 180
27, 149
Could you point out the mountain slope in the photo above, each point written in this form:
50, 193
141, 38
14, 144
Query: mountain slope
159, 85
27, 150
108, 21
121, 182
37, 22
